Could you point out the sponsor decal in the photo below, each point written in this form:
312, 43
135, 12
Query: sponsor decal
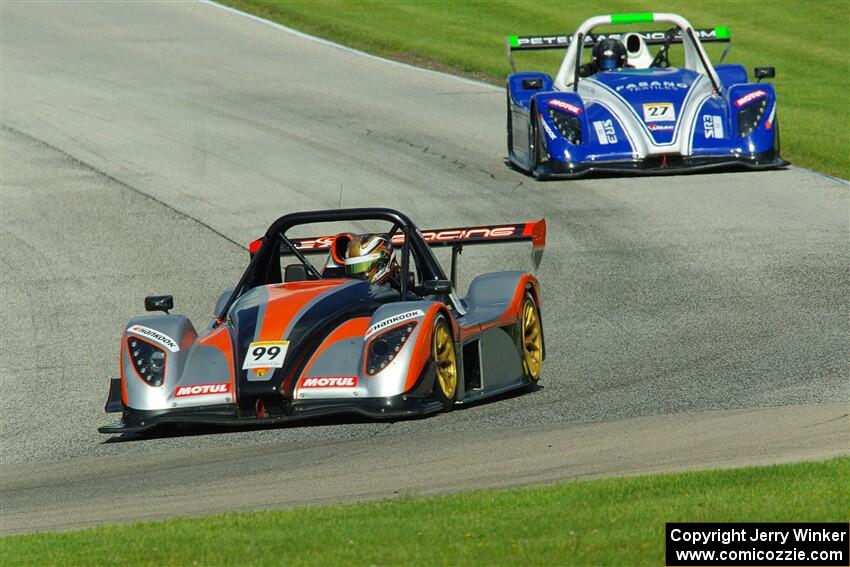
201, 390
712, 126
571, 108
660, 127
542, 40
330, 382
592, 39
750, 97
548, 130
393, 320
659, 112
155, 336
320, 243
265, 354
452, 234
445, 235
605, 132
651, 86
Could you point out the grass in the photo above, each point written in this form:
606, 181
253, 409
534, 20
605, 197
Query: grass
615, 521
807, 41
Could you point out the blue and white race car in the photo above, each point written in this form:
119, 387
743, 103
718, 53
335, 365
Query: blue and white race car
627, 110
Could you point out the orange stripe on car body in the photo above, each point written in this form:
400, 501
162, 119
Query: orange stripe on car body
286, 300
220, 339
422, 348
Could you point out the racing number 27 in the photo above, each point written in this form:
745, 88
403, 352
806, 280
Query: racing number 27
265, 354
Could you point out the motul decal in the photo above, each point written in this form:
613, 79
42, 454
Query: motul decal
201, 390
330, 382
155, 336
393, 320
564, 106
747, 98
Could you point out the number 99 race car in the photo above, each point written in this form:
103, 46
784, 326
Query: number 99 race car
293, 340
627, 110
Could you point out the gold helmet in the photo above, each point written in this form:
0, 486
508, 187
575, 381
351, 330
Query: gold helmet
370, 257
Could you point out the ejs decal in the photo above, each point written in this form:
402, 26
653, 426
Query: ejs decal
605, 132
330, 382
712, 126
659, 112
155, 336
201, 390
265, 354
393, 320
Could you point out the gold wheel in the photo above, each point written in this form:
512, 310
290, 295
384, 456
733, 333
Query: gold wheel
445, 359
532, 340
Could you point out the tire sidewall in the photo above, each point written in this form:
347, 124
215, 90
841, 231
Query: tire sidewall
448, 403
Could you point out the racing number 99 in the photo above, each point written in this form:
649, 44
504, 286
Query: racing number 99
265, 354
261, 350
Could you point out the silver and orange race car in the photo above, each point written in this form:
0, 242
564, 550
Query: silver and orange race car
297, 340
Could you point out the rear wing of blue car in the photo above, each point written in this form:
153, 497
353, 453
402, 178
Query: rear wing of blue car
535, 42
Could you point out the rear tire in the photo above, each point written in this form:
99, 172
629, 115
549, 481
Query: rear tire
531, 337
445, 359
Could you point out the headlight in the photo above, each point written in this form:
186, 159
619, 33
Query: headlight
148, 360
750, 116
568, 125
384, 348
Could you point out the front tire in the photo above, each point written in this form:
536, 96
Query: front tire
445, 359
533, 141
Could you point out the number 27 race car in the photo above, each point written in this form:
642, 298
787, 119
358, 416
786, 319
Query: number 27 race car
625, 110
293, 340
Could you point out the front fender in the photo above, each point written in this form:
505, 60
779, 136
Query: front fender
745, 98
172, 334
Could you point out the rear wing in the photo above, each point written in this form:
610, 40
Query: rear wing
532, 42
457, 238
537, 42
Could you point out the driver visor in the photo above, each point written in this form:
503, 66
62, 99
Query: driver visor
359, 265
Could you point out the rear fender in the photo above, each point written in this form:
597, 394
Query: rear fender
731, 74
520, 94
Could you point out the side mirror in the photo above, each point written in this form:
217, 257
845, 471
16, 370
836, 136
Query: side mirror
764, 73
532, 84
159, 303
436, 287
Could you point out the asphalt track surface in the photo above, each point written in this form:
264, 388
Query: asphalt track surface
691, 321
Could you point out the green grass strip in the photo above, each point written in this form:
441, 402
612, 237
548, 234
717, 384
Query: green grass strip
806, 41
613, 521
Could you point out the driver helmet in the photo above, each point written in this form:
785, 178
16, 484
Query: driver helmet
609, 54
370, 257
